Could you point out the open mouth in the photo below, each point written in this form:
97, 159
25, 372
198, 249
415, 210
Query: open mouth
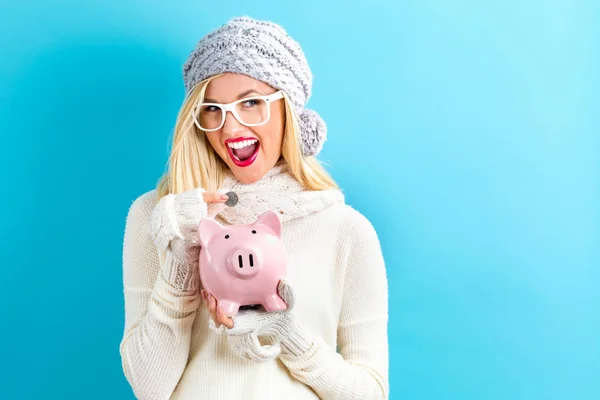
243, 151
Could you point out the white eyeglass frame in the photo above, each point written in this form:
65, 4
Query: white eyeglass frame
270, 98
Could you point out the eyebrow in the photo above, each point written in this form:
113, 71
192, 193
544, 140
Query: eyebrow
240, 96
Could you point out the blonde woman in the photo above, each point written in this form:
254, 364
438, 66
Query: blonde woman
244, 128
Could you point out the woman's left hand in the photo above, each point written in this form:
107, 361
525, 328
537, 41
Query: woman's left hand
245, 328
249, 319
215, 311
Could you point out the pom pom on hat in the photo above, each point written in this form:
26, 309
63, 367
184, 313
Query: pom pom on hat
314, 132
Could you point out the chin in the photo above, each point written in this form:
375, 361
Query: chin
247, 179
251, 173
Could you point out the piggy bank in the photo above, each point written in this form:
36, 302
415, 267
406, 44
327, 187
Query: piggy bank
242, 265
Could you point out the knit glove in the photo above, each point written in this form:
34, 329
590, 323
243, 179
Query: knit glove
173, 226
280, 330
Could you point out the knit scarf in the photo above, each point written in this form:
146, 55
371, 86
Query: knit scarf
278, 191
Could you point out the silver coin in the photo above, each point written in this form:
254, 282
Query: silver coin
233, 199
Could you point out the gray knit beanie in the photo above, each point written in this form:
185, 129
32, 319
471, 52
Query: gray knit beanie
264, 51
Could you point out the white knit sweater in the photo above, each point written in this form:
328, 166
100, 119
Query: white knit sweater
336, 268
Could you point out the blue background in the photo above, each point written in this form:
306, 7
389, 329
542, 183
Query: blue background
468, 132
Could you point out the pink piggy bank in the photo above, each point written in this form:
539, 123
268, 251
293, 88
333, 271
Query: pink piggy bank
242, 265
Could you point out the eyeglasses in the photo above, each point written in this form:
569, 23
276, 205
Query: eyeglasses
250, 111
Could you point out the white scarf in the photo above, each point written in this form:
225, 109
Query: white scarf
279, 191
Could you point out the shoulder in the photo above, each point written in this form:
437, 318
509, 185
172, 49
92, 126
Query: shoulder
140, 256
142, 206
354, 221
355, 228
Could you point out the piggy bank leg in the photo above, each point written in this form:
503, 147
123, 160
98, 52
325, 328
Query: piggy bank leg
229, 308
274, 303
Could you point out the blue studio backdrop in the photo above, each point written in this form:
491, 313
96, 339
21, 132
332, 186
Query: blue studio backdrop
467, 132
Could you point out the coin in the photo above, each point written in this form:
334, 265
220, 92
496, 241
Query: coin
233, 199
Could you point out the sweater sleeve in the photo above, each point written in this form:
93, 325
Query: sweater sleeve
360, 369
158, 317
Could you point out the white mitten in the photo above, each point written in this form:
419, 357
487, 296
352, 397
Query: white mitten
173, 227
177, 216
280, 329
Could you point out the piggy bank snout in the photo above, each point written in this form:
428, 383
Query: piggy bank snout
245, 262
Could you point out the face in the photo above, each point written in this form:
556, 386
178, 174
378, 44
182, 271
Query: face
257, 159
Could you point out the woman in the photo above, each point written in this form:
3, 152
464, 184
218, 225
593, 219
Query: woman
243, 128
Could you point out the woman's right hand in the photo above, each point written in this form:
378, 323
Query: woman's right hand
177, 216
174, 230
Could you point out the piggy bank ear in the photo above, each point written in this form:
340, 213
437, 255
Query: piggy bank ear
207, 229
270, 219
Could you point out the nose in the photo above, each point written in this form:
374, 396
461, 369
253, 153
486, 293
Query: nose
245, 262
231, 126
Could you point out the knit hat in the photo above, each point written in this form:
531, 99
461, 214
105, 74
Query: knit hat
264, 51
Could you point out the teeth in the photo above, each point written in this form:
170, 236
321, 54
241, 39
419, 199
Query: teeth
242, 144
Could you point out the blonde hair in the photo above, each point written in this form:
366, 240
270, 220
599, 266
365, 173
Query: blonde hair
194, 163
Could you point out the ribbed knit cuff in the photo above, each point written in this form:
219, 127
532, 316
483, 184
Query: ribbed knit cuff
296, 340
317, 357
179, 274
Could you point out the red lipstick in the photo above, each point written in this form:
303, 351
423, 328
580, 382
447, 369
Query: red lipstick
233, 157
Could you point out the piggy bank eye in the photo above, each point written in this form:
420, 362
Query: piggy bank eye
226, 236
254, 232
